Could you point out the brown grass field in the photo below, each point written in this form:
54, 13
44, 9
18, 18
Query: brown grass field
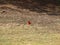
15, 30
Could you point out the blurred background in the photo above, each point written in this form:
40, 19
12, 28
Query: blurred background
35, 5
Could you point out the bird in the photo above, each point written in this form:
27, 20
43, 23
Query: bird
28, 22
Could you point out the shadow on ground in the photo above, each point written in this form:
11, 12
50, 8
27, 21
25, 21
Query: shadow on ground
51, 7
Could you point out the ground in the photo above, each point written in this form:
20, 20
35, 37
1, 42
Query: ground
15, 29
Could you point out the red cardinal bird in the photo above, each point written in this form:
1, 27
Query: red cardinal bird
29, 22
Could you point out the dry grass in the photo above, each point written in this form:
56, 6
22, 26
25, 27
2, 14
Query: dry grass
28, 35
14, 30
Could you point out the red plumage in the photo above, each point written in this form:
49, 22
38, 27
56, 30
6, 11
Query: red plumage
29, 22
